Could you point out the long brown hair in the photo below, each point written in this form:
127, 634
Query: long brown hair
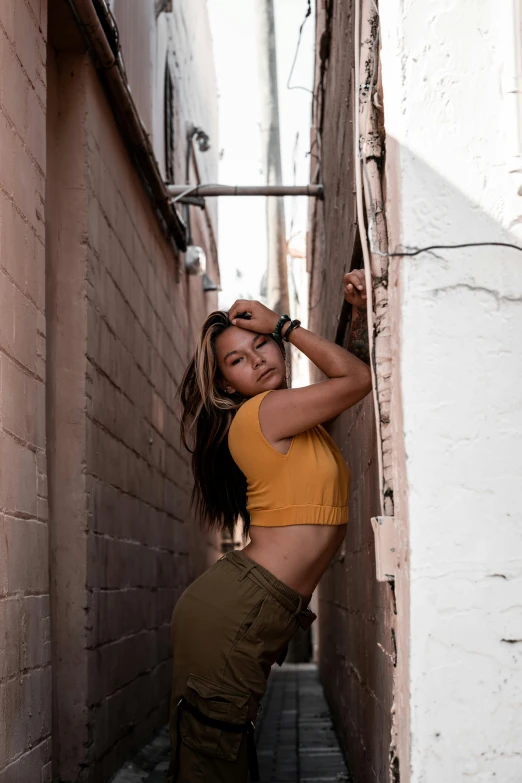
219, 494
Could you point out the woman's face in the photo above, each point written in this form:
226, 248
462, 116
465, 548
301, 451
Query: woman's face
250, 363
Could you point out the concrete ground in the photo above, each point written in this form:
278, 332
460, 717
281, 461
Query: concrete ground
295, 739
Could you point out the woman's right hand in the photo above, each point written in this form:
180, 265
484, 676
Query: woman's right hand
262, 319
355, 288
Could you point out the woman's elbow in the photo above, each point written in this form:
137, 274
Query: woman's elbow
365, 381
358, 384
368, 385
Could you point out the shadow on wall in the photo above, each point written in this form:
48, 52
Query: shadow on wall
456, 418
460, 365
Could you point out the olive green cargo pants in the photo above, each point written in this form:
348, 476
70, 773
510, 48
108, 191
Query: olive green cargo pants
228, 628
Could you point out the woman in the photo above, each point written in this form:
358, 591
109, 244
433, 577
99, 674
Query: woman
259, 455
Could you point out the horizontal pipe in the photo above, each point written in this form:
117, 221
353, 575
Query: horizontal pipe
246, 190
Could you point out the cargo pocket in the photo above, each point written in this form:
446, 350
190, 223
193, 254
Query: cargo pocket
220, 703
251, 620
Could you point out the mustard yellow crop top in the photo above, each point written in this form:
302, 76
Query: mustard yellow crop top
309, 485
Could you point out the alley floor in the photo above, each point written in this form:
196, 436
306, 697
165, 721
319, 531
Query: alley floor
295, 739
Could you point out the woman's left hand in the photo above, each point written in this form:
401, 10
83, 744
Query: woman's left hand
261, 319
355, 288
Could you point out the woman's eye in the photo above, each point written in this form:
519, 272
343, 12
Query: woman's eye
236, 361
260, 345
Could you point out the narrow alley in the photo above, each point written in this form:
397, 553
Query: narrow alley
295, 739
159, 160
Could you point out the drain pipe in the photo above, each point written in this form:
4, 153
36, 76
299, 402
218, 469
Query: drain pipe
96, 25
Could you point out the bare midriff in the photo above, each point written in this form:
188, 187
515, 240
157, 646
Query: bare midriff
297, 555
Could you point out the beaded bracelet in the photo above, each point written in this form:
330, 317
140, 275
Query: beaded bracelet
277, 331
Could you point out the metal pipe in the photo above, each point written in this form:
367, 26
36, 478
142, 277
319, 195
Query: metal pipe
315, 191
112, 72
190, 136
88, 18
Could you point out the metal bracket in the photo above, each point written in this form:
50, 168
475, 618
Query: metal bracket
162, 5
386, 555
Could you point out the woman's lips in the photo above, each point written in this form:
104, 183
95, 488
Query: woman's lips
265, 373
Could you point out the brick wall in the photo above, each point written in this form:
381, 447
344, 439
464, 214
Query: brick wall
96, 326
117, 290
356, 651
142, 546
25, 672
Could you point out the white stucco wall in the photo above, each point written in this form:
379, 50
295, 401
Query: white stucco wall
454, 170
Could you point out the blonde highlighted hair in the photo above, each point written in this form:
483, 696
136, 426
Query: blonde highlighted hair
219, 493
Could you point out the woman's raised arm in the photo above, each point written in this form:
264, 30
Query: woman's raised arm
287, 412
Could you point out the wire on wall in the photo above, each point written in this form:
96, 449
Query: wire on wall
405, 253
317, 141
428, 248
374, 211
298, 86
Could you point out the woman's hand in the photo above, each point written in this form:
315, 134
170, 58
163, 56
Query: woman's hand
262, 319
355, 288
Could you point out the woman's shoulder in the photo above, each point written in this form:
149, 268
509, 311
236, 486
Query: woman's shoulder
250, 408
247, 416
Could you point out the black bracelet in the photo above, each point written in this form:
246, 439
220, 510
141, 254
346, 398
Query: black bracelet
293, 325
277, 331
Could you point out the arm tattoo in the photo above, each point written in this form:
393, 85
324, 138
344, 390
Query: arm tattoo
358, 338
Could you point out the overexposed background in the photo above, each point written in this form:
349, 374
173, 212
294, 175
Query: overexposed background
242, 222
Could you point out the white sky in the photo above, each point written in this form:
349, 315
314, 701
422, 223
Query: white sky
242, 226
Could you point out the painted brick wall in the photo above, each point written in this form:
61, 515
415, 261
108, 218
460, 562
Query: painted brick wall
122, 321
143, 549
25, 672
356, 651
